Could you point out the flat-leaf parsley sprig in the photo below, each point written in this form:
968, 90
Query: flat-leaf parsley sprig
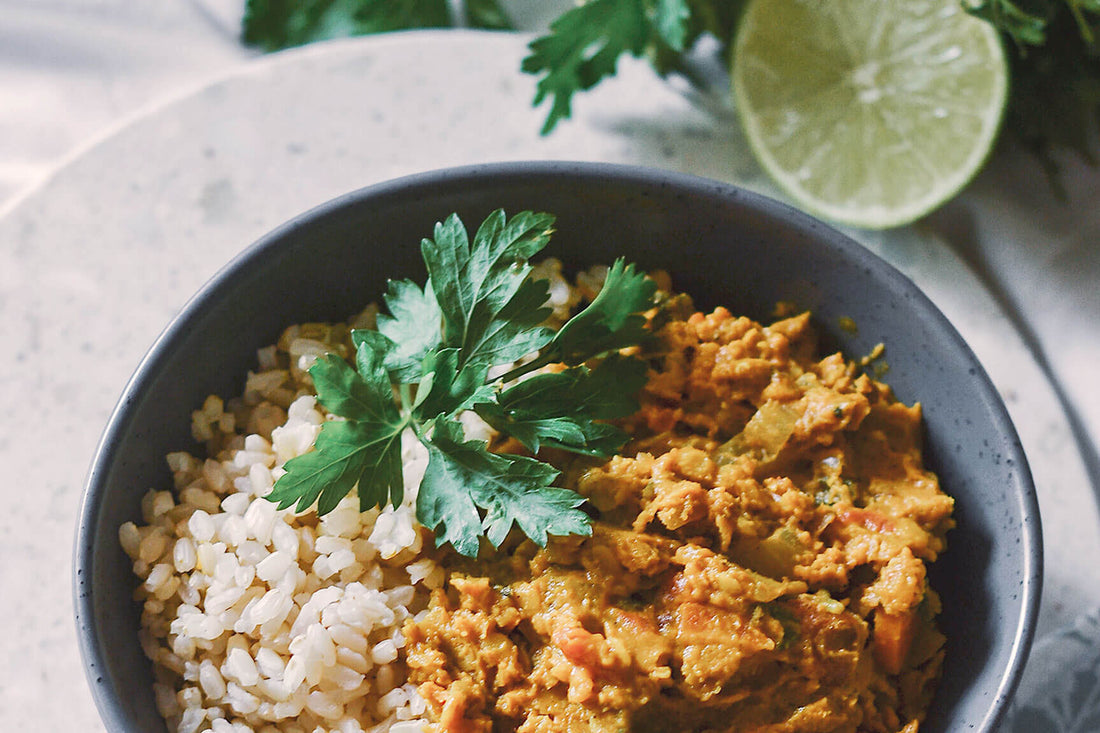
432, 357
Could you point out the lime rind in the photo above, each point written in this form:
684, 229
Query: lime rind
870, 154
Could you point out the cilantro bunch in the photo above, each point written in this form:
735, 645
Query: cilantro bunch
435, 355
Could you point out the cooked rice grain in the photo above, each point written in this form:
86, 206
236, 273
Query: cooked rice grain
264, 620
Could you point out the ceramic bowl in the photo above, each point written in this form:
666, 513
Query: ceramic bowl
721, 244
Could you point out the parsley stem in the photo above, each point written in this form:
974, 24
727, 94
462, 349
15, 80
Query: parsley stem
419, 431
547, 357
405, 391
1082, 24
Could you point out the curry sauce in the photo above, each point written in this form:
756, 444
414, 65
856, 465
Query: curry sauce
757, 561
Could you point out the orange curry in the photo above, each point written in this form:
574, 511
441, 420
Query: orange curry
757, 562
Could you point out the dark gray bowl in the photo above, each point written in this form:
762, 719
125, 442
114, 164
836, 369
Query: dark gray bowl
722, 244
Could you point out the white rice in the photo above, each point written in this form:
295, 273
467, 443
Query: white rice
264, 620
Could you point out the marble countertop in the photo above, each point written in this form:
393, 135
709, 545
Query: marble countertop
98, 253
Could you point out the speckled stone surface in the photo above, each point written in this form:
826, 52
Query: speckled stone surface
95, 262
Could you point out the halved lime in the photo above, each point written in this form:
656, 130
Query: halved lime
868, 112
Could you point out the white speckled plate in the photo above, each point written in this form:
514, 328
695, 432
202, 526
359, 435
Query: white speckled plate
95, 262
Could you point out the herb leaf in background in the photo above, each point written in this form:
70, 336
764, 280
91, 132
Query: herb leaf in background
487, 14
1054, 47
586, 41
1023, 25
430, 360
277, 24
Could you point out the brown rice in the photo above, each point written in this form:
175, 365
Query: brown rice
264, 620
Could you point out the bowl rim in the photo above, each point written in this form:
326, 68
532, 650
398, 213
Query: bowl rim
92, 651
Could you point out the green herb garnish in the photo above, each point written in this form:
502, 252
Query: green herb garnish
1054, 47
276, 24
586, 41
1054, 51
431, 359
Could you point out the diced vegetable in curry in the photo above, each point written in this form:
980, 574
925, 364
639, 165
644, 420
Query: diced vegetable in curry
757, 562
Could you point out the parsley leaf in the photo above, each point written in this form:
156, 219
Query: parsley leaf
510, 488
349, 393
670, 19
413, 327
451, 389
276, 24
1055, 64
586, 41
582, 48
332, 469
487, 14
613, 320
561, 409
364, 449
491, 309
431, 359
1024, 26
